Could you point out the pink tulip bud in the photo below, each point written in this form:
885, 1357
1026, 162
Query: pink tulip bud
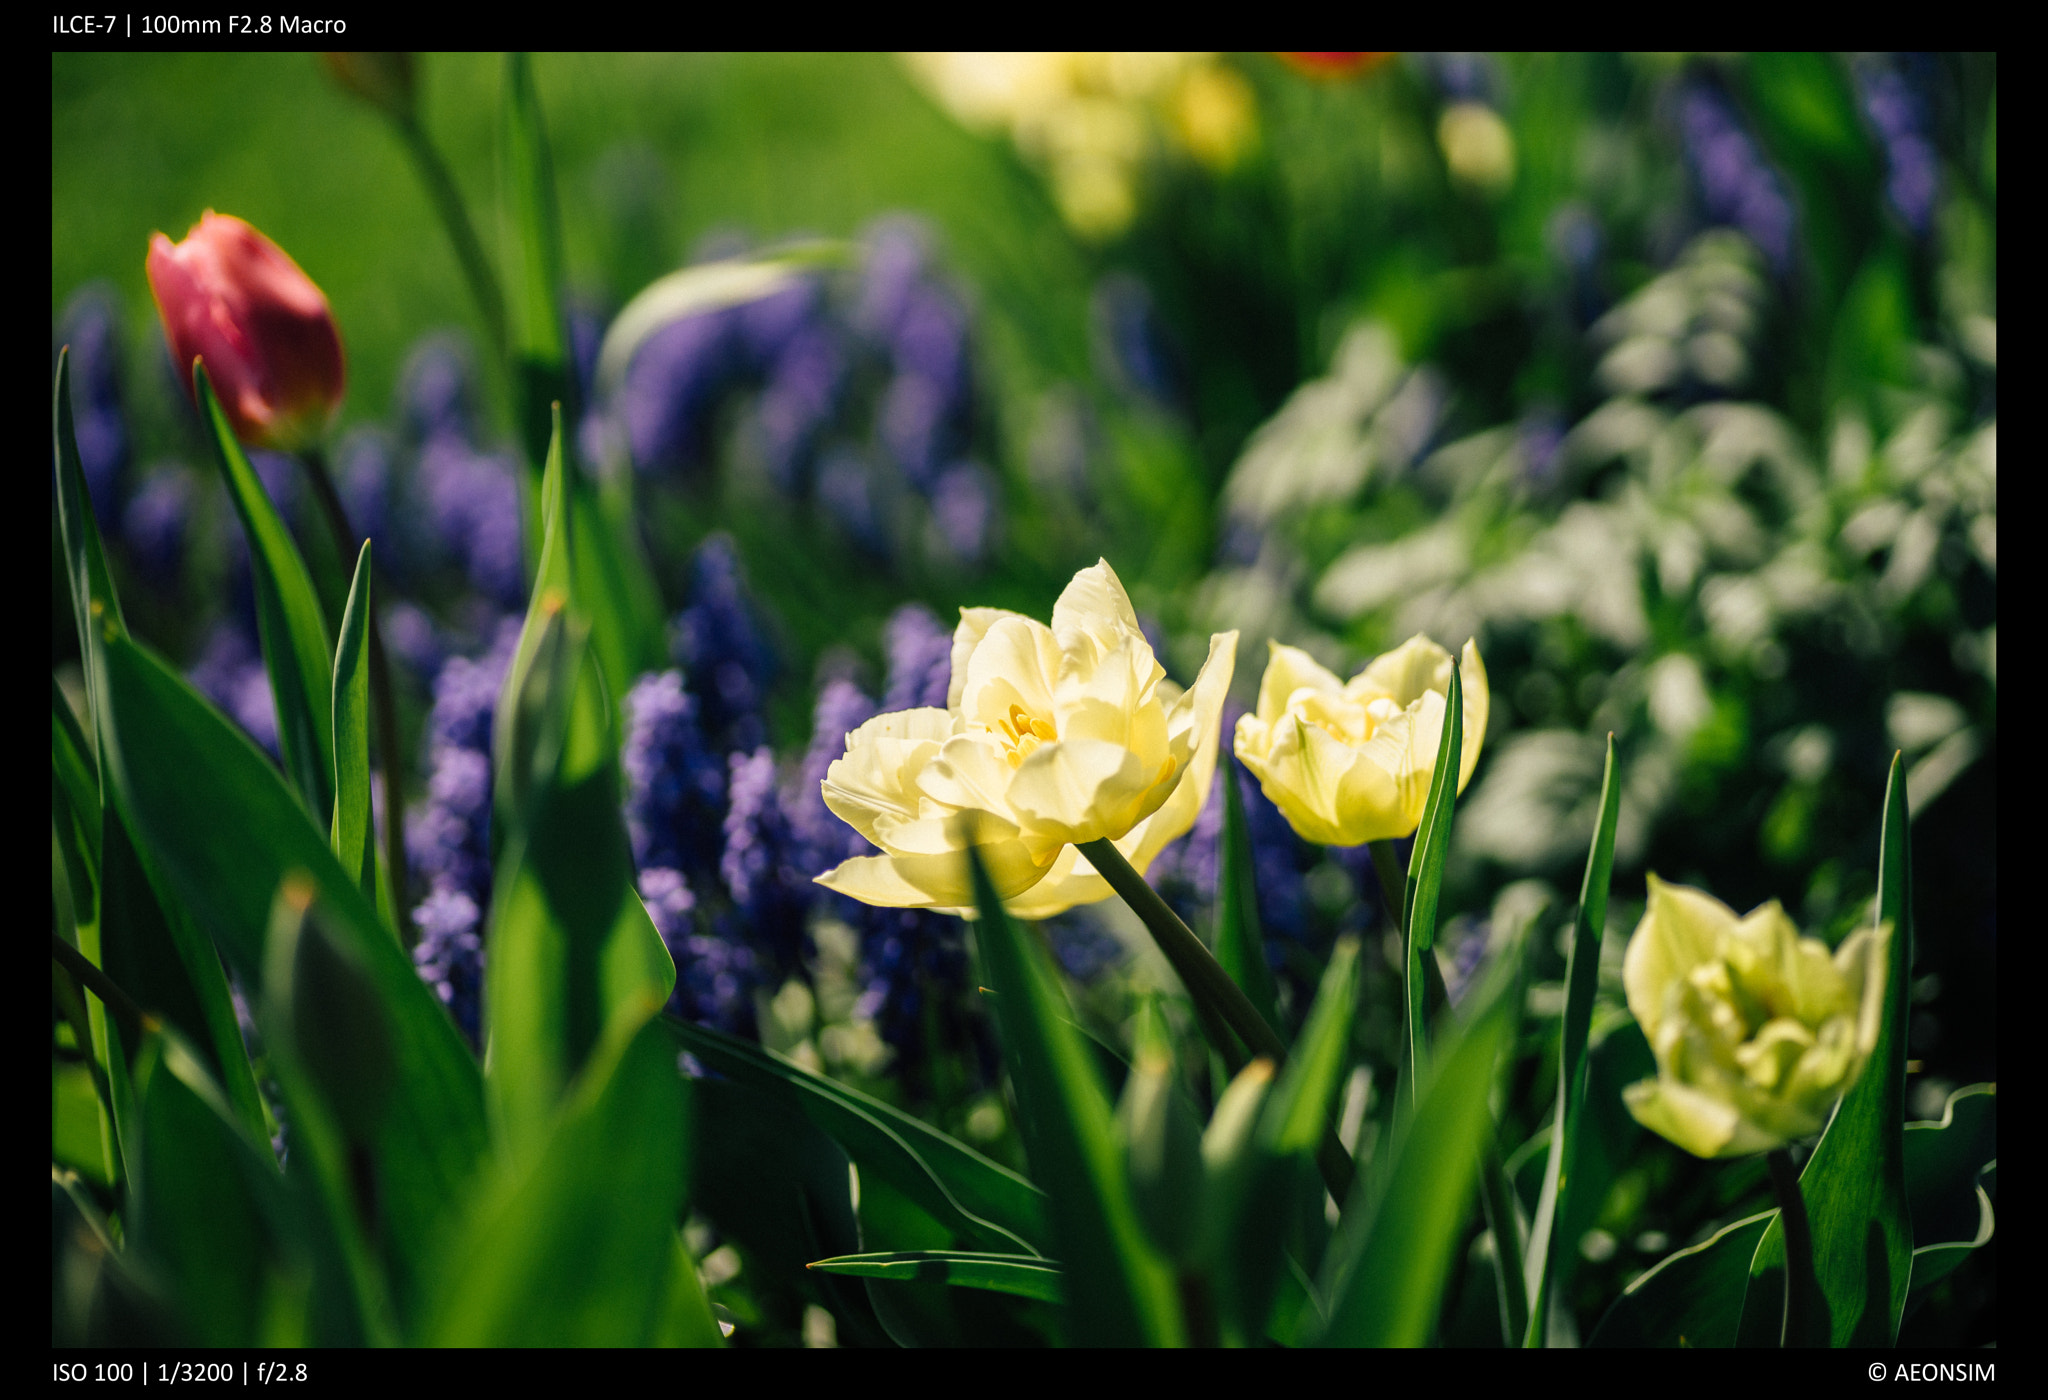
231, 297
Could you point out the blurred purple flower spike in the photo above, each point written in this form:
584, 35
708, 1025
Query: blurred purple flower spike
157, 521
672, 389
1737, 185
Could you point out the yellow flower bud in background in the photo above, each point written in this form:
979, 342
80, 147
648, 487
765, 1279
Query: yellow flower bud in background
1350, 761
1051, 736
1757, 1031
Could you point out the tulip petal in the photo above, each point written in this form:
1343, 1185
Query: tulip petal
1094, 603
1070, 881
1697, 1122
1197, 714
1081, 789
974, 625
1015, 663
1680, 929
1478, 704
1404, 675
1289, 669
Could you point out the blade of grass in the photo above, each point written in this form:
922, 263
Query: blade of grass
1121, 1292
1024, 1275
1582, 974
1854, 1184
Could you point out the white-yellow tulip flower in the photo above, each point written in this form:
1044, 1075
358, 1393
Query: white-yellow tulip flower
1050, 736
1757, 1031
1350, 761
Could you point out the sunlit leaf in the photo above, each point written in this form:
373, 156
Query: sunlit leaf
288, 619
1854, 1184
1545, 1262
1025, 1275
1120, 1292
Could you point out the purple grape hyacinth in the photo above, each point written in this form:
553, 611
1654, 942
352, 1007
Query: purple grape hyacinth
724, 653
447, 839
1738, 186
675, 782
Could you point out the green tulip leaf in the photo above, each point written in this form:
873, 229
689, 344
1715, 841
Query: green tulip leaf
570, 942
539, 336
1947, 1164
1121, 1292
1692, 1298
226, 832
1545, 1262
1854, 1184
779, 1189
1385, 1271
1425, 884
139, 932
353, 832
209, 1215
289, 622
1240, 939
1024, 1275
972, 1196
577, 1246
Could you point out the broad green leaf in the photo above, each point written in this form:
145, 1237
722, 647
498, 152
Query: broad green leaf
1385, 1271
578, 1246
1025, 1275
353, 831
1240, 939
1545, 1262
781, 1190
686, 1319
208, 1213
954, 1184
140, 933
570, 942
93, 605
1162, 1142
288, 619
1854, 1184
1298, 1110
1247, 1202
1692, 1298
1946, 1162
76, 1137
75, 797
226, 832
1120, 1293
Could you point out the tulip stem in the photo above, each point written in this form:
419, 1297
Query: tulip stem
1217, 998
1386, 864
1804, 1307
469, 250
347, 541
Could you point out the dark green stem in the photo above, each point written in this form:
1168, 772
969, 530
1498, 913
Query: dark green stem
1217, 998
469, 250
347, 542
1802, 1290
100, 985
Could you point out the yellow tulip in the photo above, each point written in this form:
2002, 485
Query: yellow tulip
1757, 1031
1350, 761
1050, 736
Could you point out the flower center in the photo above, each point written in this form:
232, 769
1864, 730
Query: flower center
1022, 734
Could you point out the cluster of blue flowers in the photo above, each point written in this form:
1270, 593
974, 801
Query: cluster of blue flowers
847, 397
1738, 186
447, 839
